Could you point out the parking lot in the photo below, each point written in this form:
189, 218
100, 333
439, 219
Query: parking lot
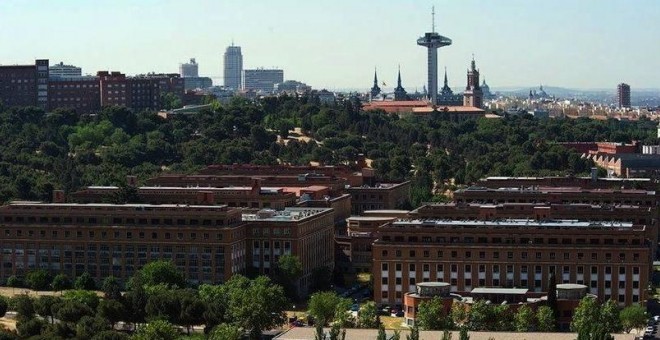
651, 331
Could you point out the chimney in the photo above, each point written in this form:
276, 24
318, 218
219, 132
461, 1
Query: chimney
131, 181
58, 196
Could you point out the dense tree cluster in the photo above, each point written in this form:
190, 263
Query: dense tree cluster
157, 305
41, 151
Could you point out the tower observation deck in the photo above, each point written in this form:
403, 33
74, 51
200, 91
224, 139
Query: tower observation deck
432, 41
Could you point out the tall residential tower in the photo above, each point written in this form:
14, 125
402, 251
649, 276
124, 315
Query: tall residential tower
432, 41
623, 95
233, 67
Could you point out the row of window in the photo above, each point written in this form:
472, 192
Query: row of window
117, 220
510, 240
426, 268
91, 234
510, 255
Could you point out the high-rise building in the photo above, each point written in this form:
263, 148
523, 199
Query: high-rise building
623, 95
473, 96
190, 69
432, 41
233, 67
262, 80
64, 71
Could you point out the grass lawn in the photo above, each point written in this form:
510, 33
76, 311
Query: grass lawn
390, 322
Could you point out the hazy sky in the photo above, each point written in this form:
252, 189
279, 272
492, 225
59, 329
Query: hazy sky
336, 44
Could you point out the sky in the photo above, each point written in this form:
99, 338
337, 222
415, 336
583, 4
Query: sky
337, 44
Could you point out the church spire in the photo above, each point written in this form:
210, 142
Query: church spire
375, 90
399, 91
446, 82
473, 63
398, 81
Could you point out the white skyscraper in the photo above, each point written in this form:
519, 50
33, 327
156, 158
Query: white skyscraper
233, 67
190, 69
262, 80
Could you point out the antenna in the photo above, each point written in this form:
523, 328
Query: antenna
433, 19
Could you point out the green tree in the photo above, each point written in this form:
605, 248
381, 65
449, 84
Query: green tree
3, 306
89, 326
459, 313
432, 316
545, 319
156, 330
60, 282
336, 333
215, 302
609, 316
112, 310
368, 316
110, 335
414, 333
37, 279
287, 272
84, 282
446, 335
111, 288
164, 305
72, 311
160, 272
86, 297
226, 332
14, 282
524, 319
397, 335
588, 320
323, 305
552, 297
255, 305
192, 310
381, 333
44, 306
633, 317
463, 334
30, 327
24, 306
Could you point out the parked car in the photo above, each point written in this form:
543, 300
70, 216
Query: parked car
355, 307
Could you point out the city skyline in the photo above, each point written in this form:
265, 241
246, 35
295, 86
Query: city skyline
590, 44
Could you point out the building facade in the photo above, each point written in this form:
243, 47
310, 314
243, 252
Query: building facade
262, 80
64, 71
383, 196
473, 96
190, 69
81, 94
25, 85
611, 258
623, 95
233, 68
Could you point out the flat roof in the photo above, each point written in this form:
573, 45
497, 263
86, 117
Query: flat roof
609, 179
548, 189
106, 205
289, 214
486, 290
559, 223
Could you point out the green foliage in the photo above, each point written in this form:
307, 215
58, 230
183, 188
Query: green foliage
4, 305
60, 282
397, 335
112, 310
156, 330
84, 282
414, 333
633, 316
524, 319
29, 327
255, 305
37, 279
160, 273
545, 319
111, 288
287, 272
72, 311
85, 297
23, 305
44, 306
463, 334
14, 281
489, 317
89, 326
594, 321
381, 333
324, 306
552, 297
225, 332
368, 316
110, 335
431, 315
446, 335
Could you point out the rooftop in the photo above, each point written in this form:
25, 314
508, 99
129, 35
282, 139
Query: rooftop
513, 223
286, 215
487, 290
137, 206
544, 189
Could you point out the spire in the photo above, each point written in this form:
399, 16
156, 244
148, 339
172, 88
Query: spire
375, 78
433, 19
446, 82
375, 90
398, 81
473, 64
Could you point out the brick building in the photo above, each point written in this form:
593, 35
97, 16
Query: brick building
24, 85
612, 258
81, 94
382, 196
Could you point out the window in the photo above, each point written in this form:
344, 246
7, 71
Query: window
439, 254
384, 280
398, 267
384, 253
411, 267
412, 253
439, 268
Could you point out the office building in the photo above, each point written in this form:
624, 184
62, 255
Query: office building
190, 69
25, 85
192, 83
623, 95
381, 196
262, 80
80, 94
233, 68
612, 258
432, 41
64, 71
